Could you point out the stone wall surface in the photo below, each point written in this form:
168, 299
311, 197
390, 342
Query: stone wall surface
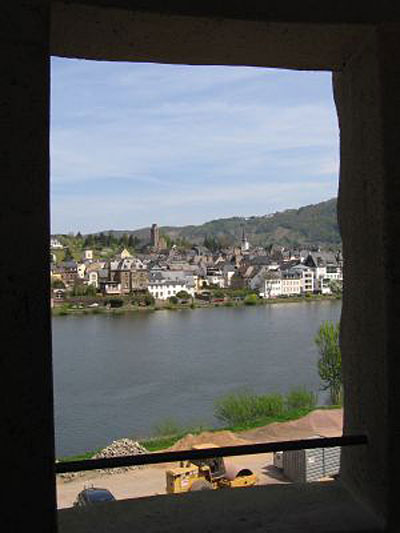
365, 58
366, 93
27, 407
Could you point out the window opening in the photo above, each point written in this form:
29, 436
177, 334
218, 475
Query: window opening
239, 168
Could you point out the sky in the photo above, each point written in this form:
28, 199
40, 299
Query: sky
134, 144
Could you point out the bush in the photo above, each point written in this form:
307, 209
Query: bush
240, 408
301, 399
183, 295
251, 299
218, 293
143, 298
114, 302
173, 300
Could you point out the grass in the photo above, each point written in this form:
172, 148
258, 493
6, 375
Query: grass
242, 407
162, 442
245, 408
81, 457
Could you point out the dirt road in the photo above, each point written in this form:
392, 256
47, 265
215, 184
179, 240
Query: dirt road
150, 480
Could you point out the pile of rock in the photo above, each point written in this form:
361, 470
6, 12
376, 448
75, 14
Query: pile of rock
119, 448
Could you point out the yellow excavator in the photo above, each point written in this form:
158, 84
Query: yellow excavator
208, 474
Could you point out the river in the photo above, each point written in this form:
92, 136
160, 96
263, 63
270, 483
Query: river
121, 375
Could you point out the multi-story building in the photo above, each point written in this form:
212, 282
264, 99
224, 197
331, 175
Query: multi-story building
291, 283
272, 285
67, 272
164, 289
326, 268
307, 278
130, 274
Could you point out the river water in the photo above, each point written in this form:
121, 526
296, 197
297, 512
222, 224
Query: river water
121, 375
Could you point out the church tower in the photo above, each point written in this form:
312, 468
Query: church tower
245, 246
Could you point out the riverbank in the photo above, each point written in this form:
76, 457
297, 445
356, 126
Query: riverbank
165, 442
99, 305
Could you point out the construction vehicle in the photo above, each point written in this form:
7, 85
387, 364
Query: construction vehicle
208, 474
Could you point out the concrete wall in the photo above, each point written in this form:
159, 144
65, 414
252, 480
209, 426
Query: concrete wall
26, 372
361, 207
129, 35
367, 94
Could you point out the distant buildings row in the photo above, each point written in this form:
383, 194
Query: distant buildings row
165, 273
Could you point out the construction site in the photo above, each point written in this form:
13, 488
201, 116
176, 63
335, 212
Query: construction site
262, 469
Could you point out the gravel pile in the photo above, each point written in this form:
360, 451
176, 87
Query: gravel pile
117, 448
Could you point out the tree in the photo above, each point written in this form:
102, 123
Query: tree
68, 255
330, 361
183, 295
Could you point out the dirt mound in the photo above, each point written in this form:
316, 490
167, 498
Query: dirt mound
220, 438
321, 422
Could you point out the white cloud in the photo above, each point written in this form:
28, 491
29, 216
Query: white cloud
183, 136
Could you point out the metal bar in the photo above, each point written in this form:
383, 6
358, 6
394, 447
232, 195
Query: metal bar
224, 451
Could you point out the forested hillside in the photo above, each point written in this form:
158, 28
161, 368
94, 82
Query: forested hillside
314, 225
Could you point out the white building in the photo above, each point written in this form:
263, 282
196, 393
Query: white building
307, 278
81, 269
277, 283
228, 273
55, 244
291, 284
164, 289
93, 278
215, 277
326, 268
87, 255
271, 286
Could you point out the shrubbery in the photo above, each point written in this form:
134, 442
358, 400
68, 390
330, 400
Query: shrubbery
114, 302
251, 299
246, 407
143, 298
300, 399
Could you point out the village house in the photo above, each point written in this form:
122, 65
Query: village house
67, 272
307, 278
272, 285
326, 269
81, 269
55, 244
189, 279
291, 284
111, 288
93, 279
164, 289
87, 255
215, 277
129, 273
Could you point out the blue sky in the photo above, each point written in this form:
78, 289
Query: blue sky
137, 143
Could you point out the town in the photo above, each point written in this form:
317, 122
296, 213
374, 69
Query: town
161, 271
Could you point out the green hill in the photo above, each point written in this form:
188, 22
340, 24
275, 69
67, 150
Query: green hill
311, 225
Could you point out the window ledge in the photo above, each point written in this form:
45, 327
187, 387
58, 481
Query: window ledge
314, 507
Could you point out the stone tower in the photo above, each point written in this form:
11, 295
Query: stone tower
155, 236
